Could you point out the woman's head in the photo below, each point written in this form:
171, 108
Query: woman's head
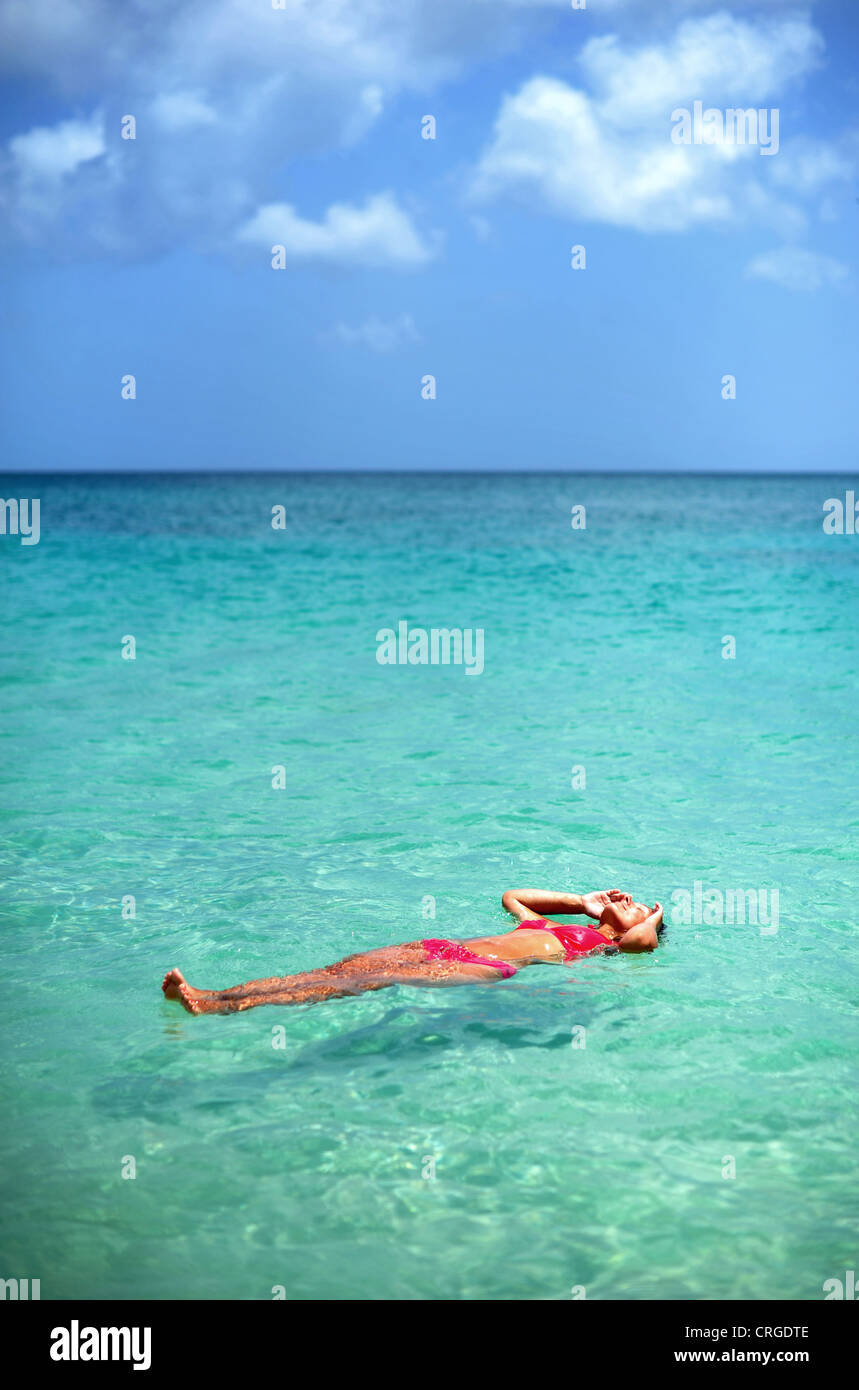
617, 919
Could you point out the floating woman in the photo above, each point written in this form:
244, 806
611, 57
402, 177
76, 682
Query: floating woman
623, 925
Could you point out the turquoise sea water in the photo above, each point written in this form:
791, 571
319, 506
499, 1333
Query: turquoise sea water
557, 1166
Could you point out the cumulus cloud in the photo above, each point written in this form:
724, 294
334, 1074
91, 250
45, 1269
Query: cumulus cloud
551, 144
48, 153
379, 234
806, 165
675, 7
225, 93
44, 171
379, 335
604, 153
179, 110
717, 55
795, 268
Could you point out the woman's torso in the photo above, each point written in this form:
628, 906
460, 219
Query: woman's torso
521, 944
518, 946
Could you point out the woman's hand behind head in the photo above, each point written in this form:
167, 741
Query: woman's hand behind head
620, 917
644, 936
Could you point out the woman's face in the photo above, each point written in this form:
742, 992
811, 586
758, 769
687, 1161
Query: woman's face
620, 919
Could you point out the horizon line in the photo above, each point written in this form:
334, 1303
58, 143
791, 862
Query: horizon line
425, 472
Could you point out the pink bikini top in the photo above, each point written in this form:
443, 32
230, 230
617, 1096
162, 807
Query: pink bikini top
576, 941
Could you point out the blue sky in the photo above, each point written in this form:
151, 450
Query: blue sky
301, 127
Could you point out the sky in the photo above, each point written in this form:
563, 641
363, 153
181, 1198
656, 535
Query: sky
300, 124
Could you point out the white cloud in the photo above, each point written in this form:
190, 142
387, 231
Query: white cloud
805, 165
43, 171
48, 153
795, 268
605, 154
377, 334
550, 144
225, 93
673, 7
179, 110
714, 56
241, 89
378, 234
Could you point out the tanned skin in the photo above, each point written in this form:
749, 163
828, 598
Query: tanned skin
628, 925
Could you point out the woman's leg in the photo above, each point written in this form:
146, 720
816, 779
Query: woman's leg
370, 970
276, 984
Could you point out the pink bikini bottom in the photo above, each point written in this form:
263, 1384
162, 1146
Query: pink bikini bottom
439, 949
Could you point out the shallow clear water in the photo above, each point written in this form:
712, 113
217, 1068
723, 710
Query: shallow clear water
301, 1165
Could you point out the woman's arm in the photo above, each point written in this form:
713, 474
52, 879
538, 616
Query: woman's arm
524, 903
644, 937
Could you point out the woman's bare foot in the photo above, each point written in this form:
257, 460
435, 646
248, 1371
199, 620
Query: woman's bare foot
171, 983
200, 1001
175, 986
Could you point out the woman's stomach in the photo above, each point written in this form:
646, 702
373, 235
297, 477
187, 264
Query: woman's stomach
518, 946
